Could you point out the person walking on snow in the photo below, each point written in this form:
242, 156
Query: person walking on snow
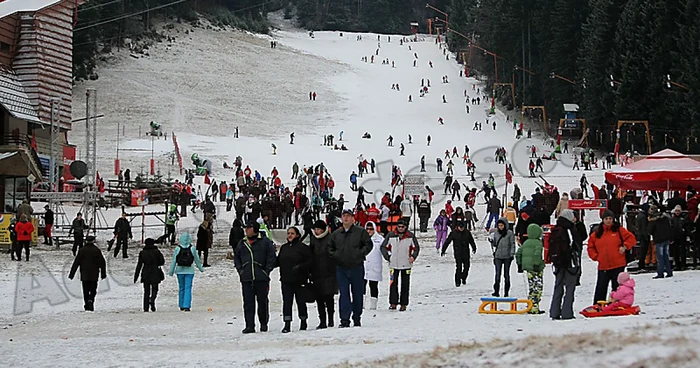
529, 259
184, 260
429, 139
353, 181
402, 149
349, 245
503, 246
92, 268
373, 265
462, 239
323, 275
565, 246
148, 269
291, 138
390, 141
400, 249
495, 207
441, 227
422, 163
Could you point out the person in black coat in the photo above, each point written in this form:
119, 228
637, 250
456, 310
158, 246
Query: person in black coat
148, 267
424, 215
236, 234
294, 260
122, 232
48, 222
92, 267
205, 236
78, 228
254, 259
462, 240
323, 274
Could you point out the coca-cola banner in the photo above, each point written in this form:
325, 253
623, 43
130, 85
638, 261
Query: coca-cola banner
587, 204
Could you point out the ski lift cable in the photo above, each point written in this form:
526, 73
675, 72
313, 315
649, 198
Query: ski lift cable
98, 6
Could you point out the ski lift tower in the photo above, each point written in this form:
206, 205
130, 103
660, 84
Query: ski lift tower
90, 190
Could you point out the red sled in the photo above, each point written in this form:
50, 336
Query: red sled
597, 311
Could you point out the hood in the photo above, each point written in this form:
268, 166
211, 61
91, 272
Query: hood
323, 234
624, 277
185, 240
173, 207
534, 231
629, 283
504, 221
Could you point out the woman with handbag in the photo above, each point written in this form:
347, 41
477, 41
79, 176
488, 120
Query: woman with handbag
323, 275
294, 261
148, 267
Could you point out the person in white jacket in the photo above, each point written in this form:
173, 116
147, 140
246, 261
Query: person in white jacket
384, 219
373, 265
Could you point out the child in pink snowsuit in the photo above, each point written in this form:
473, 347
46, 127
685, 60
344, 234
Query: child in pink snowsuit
623, 297
441, 226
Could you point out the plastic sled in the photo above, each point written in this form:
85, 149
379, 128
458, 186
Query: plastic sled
597, 311
490, 305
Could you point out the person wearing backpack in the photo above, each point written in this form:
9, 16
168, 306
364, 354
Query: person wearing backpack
529, 259
254, 259
565, 246
148, 267
608, 246
184, 260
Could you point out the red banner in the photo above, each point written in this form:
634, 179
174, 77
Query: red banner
68, 158
587, 204
139, 197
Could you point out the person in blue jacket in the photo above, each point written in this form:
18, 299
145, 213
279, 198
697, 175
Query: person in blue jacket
183, 266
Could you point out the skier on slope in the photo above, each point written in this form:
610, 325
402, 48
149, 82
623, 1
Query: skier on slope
291, 138
402, 149
390, 141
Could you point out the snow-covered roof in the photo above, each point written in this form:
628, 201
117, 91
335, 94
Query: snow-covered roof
9, 7
570, 107
14, 99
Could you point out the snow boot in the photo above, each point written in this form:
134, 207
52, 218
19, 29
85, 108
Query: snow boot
287, 327
402, 309
249, 330
322, 325
303, 326
330, 319
344, 323
392, 307
263, 328
373, 303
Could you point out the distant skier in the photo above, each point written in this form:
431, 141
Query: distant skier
390, 141
353, 181
274, 148
442, 122
340, 136
291, 138
429, 139
410, 99
438, 161
410, 139
494, 125
422, 163
402, 148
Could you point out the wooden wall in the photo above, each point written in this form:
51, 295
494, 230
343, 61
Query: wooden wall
44, 59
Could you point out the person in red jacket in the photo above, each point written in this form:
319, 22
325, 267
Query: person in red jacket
608, 245
24, 230
331, 185
373, 213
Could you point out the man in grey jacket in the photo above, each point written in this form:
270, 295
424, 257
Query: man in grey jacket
503, 245
400, 248
349, 245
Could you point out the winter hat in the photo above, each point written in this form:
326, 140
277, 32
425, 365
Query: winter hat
623, 277
607, 213
254, 225
150, 242
319, 225
568, 214
90, 239
677, 208
460, 224
401, 222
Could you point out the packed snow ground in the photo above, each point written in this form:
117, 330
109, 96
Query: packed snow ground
210, 81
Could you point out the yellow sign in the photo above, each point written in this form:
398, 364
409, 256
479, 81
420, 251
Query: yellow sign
5, 229
35, 233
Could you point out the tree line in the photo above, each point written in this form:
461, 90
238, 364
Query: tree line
617, 59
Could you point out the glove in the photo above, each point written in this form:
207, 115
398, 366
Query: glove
520, 269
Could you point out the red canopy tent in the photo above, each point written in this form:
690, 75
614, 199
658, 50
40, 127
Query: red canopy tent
664, 170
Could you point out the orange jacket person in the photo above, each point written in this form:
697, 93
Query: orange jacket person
608, 246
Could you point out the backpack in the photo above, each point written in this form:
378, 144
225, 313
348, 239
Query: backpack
560, 252
184, 257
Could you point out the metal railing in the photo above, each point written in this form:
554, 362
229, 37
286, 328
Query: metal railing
23, 142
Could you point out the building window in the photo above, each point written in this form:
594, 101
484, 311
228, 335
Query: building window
4, 47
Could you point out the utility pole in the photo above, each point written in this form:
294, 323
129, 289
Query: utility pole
55, 135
